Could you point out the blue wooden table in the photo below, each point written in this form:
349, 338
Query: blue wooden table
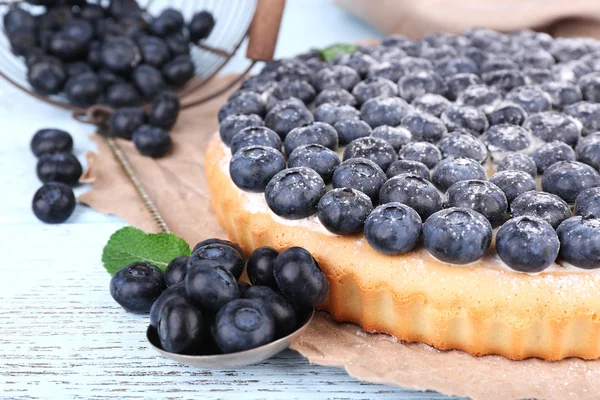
61, 334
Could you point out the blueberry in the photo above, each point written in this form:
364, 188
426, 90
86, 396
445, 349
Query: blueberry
47, 76
176, 270
252, 167
465, 117
243, 287
148, 80
590, 87
152, 141
92, 12
300, 278
292, 70
374, 87
243, 324
343, 211
457, 235
531, 98
169, 21
55, 17
459, 83
588, 203
458, 144
567, 179
383, 111
332, 114
562, 93
537, 57
287, 117
180, 326
164, 110
51, 141
431, 103
201, 25
411, 65
78, 68
508, 113
504, 80
179, 70
550, 153
175, 291
259, 267
414, 191
546, 206
570, 71
377, 150
527, 244
551, 126
439, 53
297, 89
513, 183
537, 76
209, 285
502, 140
452, 170
587, 113
451, 66
126, 120
234, 123
18, 19
122, 95
483, 97
107, 29
84, 90
393, 228
65, 47
81, 31
499, 64
154, 51
53, 203
335, 96
565, 49
59, 167
579, 238
357, 61
313, 133
350, 130
295, 192
319, 158
136, 286
282, 310
424, 152
123, 8
225, 255
94, 57
391, 70
482, 196
206, 242
120, 55
417, 84
401, 167
178, 44
337, 76
588, 150
360, 174
255, 135
396, 137
424, 127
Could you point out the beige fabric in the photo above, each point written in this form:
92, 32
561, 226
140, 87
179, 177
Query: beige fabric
417, 18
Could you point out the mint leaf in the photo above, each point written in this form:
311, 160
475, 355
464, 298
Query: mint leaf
331, 52
129, 244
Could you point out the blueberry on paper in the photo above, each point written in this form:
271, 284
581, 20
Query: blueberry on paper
393, 228
136, 286
164, 110
152, 141
47, 76
126, 120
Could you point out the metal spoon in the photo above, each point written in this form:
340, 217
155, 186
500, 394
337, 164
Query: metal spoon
232, 360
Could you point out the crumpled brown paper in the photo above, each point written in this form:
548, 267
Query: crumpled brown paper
178, 186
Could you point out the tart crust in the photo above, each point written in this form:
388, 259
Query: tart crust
479, 308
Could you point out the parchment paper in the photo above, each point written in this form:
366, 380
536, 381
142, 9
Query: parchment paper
178, 186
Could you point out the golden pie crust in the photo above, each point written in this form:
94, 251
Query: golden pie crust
480, 309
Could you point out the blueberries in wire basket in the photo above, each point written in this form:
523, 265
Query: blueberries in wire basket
374, 87
483, 97
209, 285
396, 137
319, 158
332, 114
546, 206
459, 83
126, 120
169, 21
53, 203
47, 76
471, 119
282, 119
259, 267
84, 89
282, 310
588, 150
393, 228
423, 127
18, 19
337, 76
335, 96
313, 133
179, 70
225, 255
164, 110
457, 235
360, 174
414, 191
136, 286
550, 153
176, 270
255, 135
431, 103
123, 8
457, 144
417, 84
482, 196
22, 40
527, 244
92, 12
120, 55
252, 167
201, 26
148, 80
401, 167
343, 211
588, 202
452, 170
178, 44
78, 68
122, 95
350, 130
152, 141
295, 192
176, 290
153, 50
234, 123
180, 326
298, 89
562, 93
383, 111
513, 183
567, 179
587, 113
377, 150
508, 113
59, 167
579, 238
47, 141
424, 152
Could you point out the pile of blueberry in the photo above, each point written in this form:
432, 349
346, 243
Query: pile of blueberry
393, 140
58, 169
119, 55
199, 306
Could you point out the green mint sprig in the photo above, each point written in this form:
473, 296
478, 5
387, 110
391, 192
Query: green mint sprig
331, 52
